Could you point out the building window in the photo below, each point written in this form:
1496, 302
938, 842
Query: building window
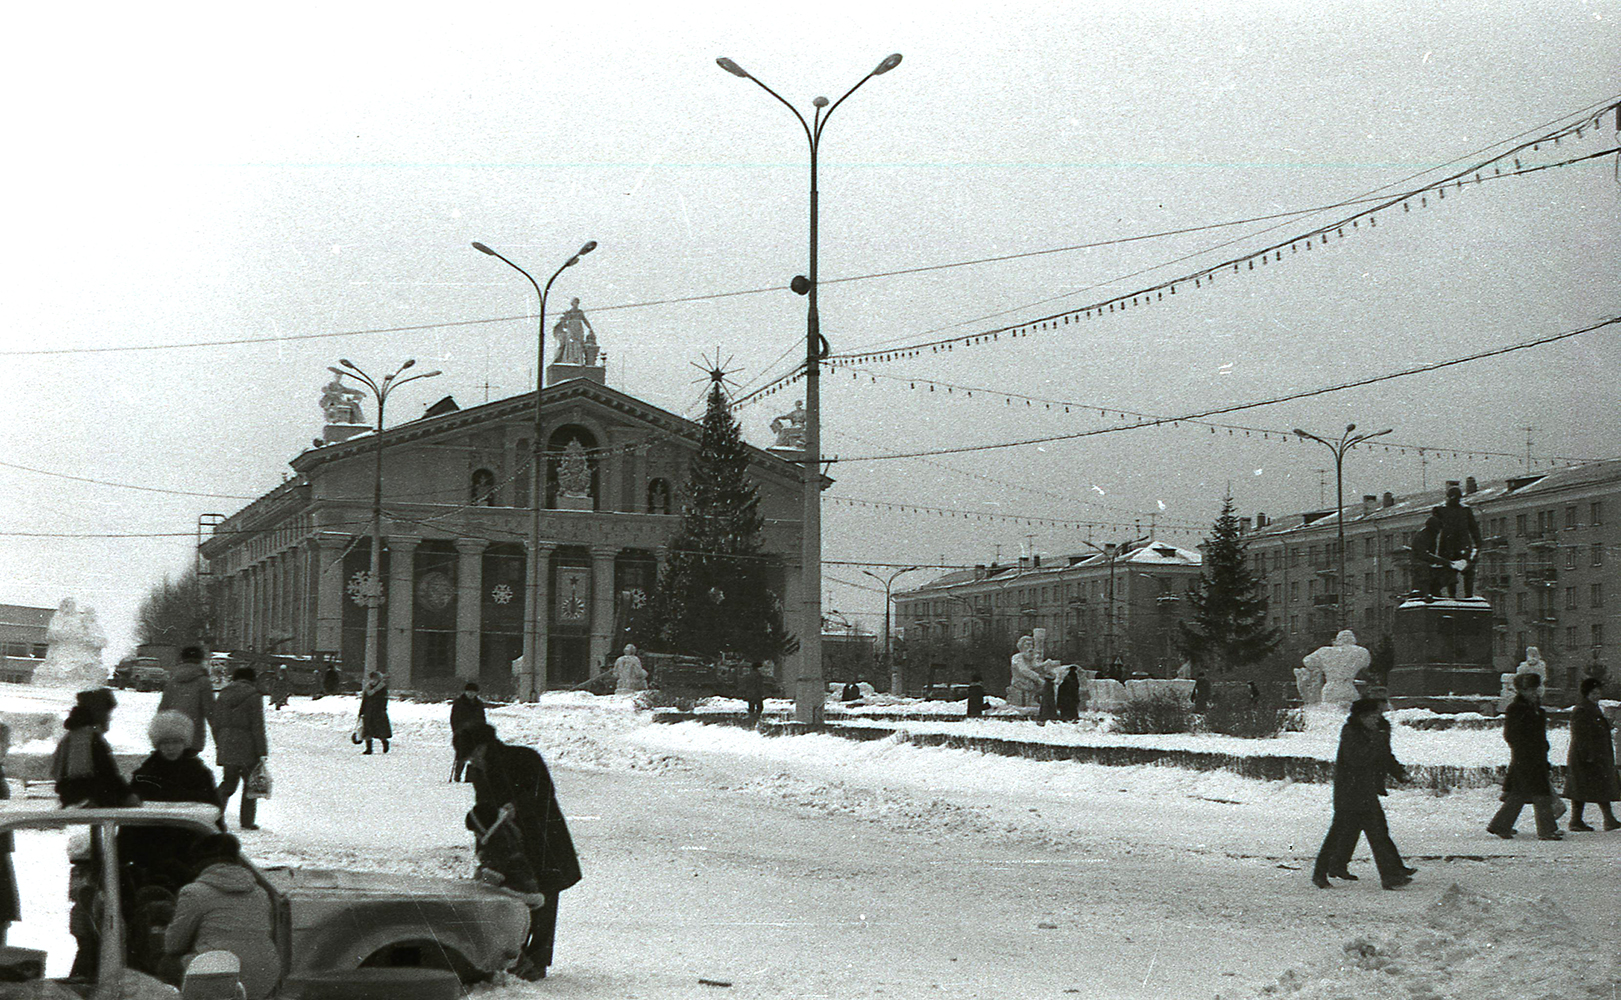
1570, 517
1598, 633
1596, 595
1519, 524
1570, 637
1294, 555
1277, 593
1598, 554
1294, 623
1370, 583
1294, 591
1390, 579
1519, 564
658, 496
16, 649
1519, 603
1570, 597
483, 488
1595, 513
1570, 558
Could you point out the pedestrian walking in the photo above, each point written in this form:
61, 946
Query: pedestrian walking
160, 855
1590, 768
1069, 695
1201, 692
1047, 702
523, 839
225, 909
190, 691
976, 697
10, 905
240, 744
331, 680
83, 766
466, 710
1525, 729
751, 688
374, 723
277, 688
1360, 768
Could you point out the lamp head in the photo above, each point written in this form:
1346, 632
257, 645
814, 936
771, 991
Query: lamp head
820, 102
890, 62
430, 374
1349, 428
345, 362
1301, 433
732, 67
336, 371
590, 245
408, 363
481, 248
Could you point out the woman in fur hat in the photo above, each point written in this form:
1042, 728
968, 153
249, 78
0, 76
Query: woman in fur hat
86, 773
173, 773
1590, 767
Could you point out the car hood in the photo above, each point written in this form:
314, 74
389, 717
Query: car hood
333, 883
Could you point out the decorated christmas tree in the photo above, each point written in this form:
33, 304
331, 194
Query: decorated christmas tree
1228, 623
718, 592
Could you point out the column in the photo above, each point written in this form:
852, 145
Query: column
272, 602
638, 478
469, 605
602, 604
528, 688
792, 581
329, 549
401, 598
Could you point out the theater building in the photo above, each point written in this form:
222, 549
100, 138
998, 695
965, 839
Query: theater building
290, 570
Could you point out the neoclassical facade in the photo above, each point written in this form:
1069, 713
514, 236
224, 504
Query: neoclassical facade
290, 569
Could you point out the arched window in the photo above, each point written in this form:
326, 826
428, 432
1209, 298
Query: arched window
483, 492
658, 496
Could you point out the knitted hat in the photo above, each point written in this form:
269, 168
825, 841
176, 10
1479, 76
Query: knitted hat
170, 725
469, 738
1362, 706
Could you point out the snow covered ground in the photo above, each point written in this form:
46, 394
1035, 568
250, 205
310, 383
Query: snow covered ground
812, 865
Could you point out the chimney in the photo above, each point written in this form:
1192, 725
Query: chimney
1451, 483
1370, 503
1390, 501
1024, 562
1243, 525
979, 571
1035, 560
1469, 485
1260, 520
1108, 549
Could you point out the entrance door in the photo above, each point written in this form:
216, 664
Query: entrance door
568, 660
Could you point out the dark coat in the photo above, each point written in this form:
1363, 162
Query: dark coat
239, 726
10, 905
466, 710
374, 723
976, 700
1047, 707
188, 779
541, 858
1525, 728
1361, 766
1069, 696
1590, 768
751, 685
161, 854
190, 692
84, 768
225, 908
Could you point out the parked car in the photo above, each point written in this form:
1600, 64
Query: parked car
143, 673
336, 931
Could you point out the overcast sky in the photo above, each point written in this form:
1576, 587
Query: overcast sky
242, 175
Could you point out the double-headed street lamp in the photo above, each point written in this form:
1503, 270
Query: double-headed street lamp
1346, 442
533, 655
809, 691
889, 659
374, 583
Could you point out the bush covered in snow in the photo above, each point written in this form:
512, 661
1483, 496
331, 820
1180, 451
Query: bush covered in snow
1160, 712
1257, 722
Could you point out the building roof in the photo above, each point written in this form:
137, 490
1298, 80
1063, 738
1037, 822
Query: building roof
1147, 554
18, 614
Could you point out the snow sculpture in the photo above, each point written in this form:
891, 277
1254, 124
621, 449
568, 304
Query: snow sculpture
1339, 664
1534, 664
73, 657
1028, 673
1309, 682
629, 675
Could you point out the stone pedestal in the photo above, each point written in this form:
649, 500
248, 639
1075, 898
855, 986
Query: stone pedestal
560, 372
1444, 654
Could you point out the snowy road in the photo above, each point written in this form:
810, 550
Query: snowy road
810, 866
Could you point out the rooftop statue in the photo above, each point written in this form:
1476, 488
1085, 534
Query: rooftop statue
790, 428
571, 331
341, 403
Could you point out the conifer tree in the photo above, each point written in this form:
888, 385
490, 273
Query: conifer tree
1228, 625
717, 591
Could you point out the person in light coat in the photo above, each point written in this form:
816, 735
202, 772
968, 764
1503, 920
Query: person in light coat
239, 739
1590, 767
225, 909
629, 675
190, 691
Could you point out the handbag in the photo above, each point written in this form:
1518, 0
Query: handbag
258, 784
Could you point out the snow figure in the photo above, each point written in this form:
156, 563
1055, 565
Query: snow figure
1024, 688
1309, 682
73, 659
629, 675
1534, 664
1339, 665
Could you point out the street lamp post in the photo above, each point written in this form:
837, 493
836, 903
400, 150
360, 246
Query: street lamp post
374, 582
809, 691
1346, 442
533, 655
1110, 555
889, 659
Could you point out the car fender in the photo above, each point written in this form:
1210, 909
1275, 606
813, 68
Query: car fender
338, 935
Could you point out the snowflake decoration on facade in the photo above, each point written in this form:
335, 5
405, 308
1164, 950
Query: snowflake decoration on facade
362, 589
638, 597
502, 594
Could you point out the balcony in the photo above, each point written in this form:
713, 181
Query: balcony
1548, 616
1494, 581
1541, 539
1326, 601
1542, 576
1494, 542
1500, 623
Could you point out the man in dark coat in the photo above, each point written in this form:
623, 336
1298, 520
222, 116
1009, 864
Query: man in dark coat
374, 722
976, 697
86, 773
10, 906
1451, 534
1525, 729
190, 691
751, 689
1069, 696
1590, 767
239, 739
1360, 769
466, 710
522, 836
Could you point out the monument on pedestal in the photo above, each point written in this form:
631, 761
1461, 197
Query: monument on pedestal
578, 354
1444, 655
790, 431
340, 405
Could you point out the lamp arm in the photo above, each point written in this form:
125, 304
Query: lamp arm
365, 380
802, 124
497, 255
823, 123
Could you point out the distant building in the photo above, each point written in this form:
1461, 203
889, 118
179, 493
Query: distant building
291, 568
1549, 546
1095, 606
22, 639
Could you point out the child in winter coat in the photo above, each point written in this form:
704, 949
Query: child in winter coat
225, 909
